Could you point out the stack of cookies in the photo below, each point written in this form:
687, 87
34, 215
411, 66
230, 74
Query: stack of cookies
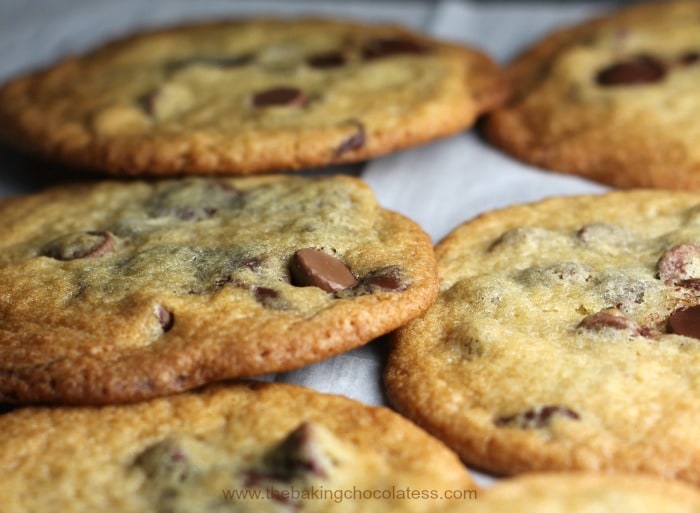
560, 336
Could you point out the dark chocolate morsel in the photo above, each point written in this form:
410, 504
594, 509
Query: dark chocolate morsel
354, 142
385, 47
324, 60
90, 244
312, 267
685, 322
689, 58
263, 293
280, 97
165, 318
536, 418
641, 69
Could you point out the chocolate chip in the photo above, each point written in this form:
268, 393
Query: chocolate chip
388, 278
270, 298
689, 58
608, 318
280, 97
147, 101
165, 462
311, 267
641, 69
686, 322
385, 47
90, 244
680, 263
326, 60
266, 293
354, 142
226, 61
165, 318
299, 454
252, 263
692, 283
536, 418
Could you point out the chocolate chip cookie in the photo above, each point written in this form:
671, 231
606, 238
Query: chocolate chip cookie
613, 99
251, 96
244, 448
584, 493
117, 292
564, 337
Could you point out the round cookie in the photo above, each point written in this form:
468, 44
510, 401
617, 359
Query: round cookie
564, 337
236, 447
117, 292
250, 96
584, 493
613, 99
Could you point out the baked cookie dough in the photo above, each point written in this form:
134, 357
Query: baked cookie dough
613, 99
235, 447
116, 292
244, 97
583, 493
565, 336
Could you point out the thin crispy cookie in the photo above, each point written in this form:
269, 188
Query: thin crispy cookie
565, 336
613, 99
242, 97
118, 292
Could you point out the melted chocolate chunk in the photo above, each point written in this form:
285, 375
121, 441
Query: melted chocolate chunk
298, 455
165, 318
692, 283
226, 61
90, 244
353, 142
386, 47
609, 318
641, 69
269, 298
689, 58
686, 322
326, 60
388, 278
280, 97
679, 263
536, 418
311, 267
266, 293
